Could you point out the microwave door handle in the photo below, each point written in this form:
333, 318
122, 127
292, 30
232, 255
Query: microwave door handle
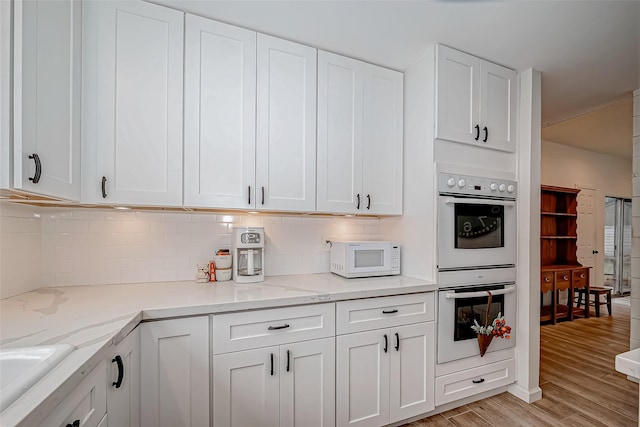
457, 295
454, 200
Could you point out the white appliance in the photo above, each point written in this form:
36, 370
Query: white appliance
365, 259
248, 254
462, 297
476, 222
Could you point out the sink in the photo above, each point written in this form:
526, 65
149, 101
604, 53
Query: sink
21, 368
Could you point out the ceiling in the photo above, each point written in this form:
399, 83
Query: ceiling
588, 51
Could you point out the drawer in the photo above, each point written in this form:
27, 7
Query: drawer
262, 328
546, 281
384, 312
580, 278
473, 381
563, 280
86, 403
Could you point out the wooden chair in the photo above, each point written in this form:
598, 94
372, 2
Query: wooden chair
597, 292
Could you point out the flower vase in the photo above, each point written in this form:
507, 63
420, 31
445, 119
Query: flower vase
483, 343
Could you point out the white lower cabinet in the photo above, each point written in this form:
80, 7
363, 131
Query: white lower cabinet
289, 380
385, 375
473, 381
123, 388
86, 405
175, 373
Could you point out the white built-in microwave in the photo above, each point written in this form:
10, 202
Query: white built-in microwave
365, 259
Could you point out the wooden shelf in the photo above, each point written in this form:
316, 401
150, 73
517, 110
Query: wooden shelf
559, 237
559, 214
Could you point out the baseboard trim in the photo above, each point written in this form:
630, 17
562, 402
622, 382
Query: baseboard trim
528, 396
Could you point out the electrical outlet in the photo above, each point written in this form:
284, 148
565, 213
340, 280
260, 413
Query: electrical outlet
326, 243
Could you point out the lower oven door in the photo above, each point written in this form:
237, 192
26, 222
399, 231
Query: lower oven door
459, 307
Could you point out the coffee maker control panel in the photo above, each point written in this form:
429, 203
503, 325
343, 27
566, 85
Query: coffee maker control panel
250, 238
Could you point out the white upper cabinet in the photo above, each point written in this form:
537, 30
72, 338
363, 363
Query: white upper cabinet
359, 137
475, 100
138, 104
219, 114
286, 126
47, 97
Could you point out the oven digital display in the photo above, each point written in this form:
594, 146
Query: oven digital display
479, 226
475, 308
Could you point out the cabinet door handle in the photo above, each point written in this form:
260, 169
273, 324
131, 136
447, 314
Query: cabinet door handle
395, 310
546, 279
480, 381
368, 201
263, 195
582, 275
275, 328
288, 359
358, 203
565, 277
104, 187
118, 360
595, 252
249, 192
486, 134
386, 343
36, 176
271, 364
397, 342
477, 133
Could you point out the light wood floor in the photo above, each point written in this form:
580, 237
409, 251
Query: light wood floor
580, 386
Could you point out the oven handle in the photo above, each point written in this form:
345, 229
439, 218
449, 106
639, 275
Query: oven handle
454, 200
454, 295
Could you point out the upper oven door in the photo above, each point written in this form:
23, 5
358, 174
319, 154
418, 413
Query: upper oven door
475, 232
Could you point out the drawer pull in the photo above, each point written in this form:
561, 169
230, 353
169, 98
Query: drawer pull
271, 364
582, 275
565, 277
395, 310
480, 381
386, 343
288, 360
397, 342
275, 328
118, 361
547, 279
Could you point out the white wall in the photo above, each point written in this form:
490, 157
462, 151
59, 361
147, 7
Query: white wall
635, 227
567, 166
105, 246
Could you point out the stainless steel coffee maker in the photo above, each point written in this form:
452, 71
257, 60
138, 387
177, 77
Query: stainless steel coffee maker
248, 254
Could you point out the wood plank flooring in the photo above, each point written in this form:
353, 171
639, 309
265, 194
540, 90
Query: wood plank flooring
580, 386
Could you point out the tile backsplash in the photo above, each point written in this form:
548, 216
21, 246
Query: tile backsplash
96, 246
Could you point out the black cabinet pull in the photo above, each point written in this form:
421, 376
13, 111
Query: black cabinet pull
368, 201
275, 328
386, 343
480, 381
397, 342
118, 361
36, 176
477, 133
263, 195
271, 364
395, 310
595, 252
76, 423
249, 191
358, 203
486, 134
288, 359
104, 187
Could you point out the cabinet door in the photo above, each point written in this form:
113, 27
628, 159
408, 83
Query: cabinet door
286, 126
412, 371
219, 114
498, 108
245, 388
86, 405
123, 395
340, 117
47, 83
139, 104
362, 378
382, 151
307, 383
457, 95
175, 373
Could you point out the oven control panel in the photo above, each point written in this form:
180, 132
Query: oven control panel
476, 186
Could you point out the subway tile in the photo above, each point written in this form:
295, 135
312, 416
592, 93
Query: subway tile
60, 214
203, 217
88, 214
176, 217
119, 215
135, 227
105, 226
149, 216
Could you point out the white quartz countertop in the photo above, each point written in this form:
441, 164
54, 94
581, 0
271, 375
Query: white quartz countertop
628, 363
92, 318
